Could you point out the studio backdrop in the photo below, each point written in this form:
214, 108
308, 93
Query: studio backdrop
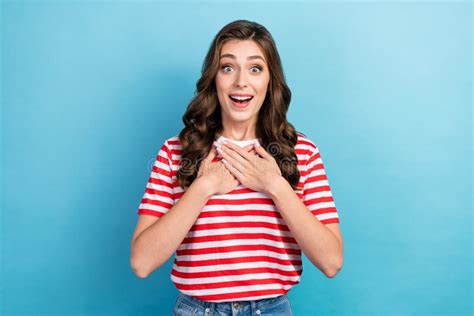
91, 89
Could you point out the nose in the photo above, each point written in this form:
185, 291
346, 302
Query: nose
241, 79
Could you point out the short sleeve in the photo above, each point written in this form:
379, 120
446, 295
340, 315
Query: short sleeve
159, 195
317, 195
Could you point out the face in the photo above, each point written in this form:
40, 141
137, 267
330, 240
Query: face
242, 81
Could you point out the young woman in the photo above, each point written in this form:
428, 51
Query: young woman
238, 194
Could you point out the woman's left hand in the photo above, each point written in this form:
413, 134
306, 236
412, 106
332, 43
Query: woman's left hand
254, 172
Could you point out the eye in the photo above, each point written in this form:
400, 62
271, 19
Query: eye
224, 67
258, 68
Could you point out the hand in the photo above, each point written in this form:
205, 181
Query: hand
216, 175
249, 148
256, 173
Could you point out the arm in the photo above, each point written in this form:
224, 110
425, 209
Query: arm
321, 243
156, 244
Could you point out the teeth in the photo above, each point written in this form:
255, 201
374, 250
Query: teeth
240, 98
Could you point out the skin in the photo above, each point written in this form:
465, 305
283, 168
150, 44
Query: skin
156, 239
240, 72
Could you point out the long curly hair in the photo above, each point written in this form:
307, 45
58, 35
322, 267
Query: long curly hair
202, 118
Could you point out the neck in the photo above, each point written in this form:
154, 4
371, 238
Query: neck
244, 130
238, 134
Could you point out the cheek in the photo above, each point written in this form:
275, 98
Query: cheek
262, 88
220, 88
218, 82
261, 84
223, 83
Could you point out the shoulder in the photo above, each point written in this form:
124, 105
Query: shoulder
172, 142
305, 145
170, 145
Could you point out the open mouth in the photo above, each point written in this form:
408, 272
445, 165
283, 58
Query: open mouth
240, 101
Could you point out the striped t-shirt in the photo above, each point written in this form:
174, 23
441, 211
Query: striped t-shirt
239, 248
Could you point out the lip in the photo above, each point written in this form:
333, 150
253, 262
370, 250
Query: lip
240, 105
241, 94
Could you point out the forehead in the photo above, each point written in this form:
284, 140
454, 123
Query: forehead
242, 49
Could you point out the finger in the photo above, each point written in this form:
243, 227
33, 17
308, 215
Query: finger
248, 148
224, 169
233, 158
262, 152
210, 156
247, 156
236, 173
251, 149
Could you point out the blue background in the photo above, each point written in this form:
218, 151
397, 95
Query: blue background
90, 90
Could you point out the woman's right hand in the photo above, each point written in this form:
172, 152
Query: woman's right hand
216, 175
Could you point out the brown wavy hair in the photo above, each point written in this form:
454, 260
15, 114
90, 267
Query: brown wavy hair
202, 118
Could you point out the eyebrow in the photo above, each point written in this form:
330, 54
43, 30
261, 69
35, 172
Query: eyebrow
248, 58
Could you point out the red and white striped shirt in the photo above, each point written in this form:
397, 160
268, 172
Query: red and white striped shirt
239, 248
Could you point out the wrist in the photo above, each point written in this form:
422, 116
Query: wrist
275, 185
204, 186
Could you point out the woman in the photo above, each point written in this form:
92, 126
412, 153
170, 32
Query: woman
238, 193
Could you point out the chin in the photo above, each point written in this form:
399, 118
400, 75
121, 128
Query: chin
239, 117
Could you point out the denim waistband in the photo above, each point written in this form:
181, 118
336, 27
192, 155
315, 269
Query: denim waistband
227, 306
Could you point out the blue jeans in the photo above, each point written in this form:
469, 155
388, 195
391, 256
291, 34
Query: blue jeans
191, 306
